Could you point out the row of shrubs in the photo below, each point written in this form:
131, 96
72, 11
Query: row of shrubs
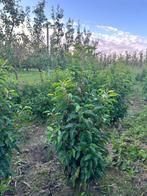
84, 105
116, 77
79, 103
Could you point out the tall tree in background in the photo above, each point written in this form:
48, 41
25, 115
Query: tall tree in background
38, 23
141, 58
12, 16
134, 59
69, 35
87, 36
145, 58
90, 47
127, 56
79, 36
40, 55
57, 50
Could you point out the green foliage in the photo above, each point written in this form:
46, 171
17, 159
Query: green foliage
141, 79
127, 152
56, 49
39, 19
77, 122
130, 147
39, 59
35, 97
69, 35
145, 88
116, 77
119, 80
4, 186
11, 11
7, 135
141, 75
84, 105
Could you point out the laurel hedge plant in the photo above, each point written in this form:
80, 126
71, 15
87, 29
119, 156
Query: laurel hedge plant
77, 122
7, 126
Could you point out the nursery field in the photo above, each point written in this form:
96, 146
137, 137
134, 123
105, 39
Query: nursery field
73, 99
80, 131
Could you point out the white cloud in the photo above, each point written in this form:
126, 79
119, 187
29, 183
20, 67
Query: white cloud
113, 39
107, 28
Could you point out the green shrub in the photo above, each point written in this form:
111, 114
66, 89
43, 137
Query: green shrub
116, 77
126, 152
5, 186
77, 122
145, 88
129, 148
7, 134
119, 79
36, 98
141, 75
58, 74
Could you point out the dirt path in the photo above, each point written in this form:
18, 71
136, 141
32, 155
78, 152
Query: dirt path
37, 171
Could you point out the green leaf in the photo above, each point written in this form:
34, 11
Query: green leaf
70, 125
112, 93
87, 157
78, 107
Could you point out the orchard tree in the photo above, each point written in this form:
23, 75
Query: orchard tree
140, 58
12, 16
40, 53
69, 35
38, 23
57, 50
87, 36
79, 36
145, 58
127, 56
134, 59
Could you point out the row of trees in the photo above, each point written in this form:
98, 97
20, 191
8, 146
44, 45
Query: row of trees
133, 59
29, 47
28, 39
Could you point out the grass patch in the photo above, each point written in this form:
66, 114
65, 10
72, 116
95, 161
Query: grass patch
31, 77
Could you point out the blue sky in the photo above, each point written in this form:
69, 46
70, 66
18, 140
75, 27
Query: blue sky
127, 17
